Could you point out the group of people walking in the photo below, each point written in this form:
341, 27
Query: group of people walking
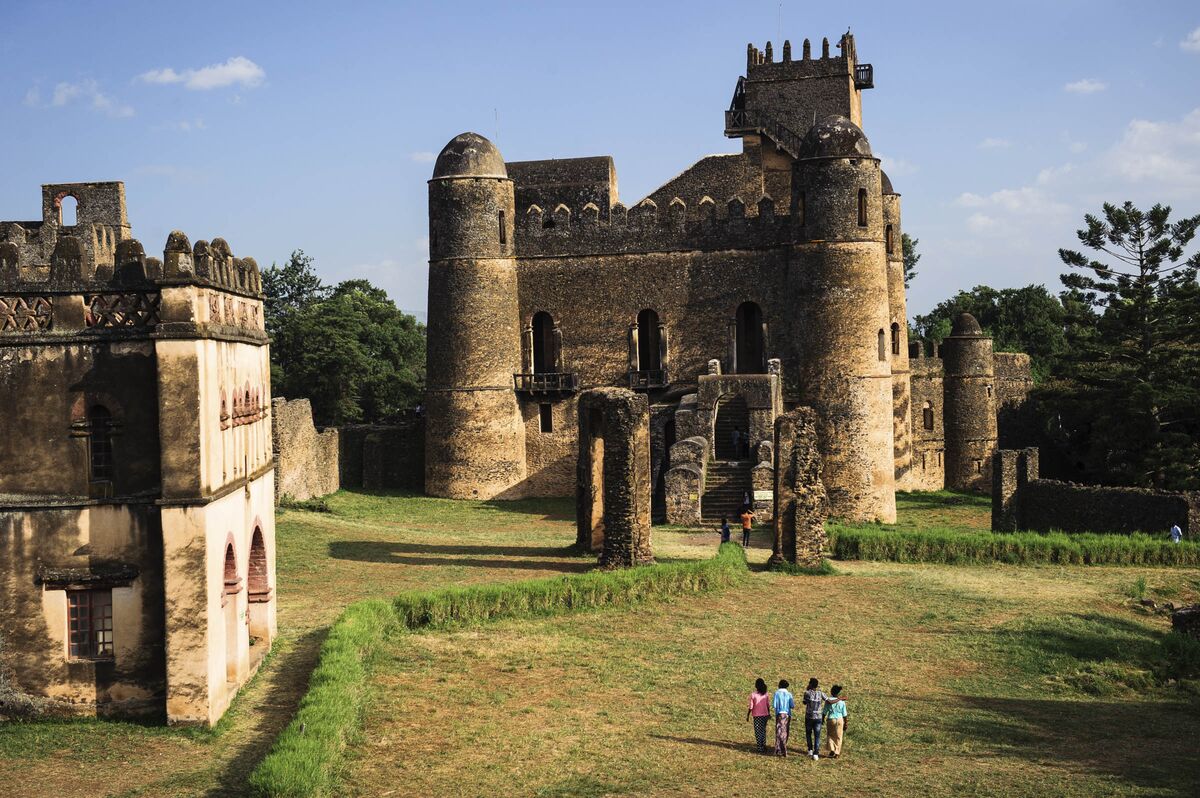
821, 710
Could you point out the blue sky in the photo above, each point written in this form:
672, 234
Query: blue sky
302, 125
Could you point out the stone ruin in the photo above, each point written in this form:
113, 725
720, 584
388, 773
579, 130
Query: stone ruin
613, 477
801, 504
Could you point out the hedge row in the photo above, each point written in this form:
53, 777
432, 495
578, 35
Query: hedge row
307, 757
1020, 548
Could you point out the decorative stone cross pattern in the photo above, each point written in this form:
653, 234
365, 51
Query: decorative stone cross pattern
133, 310
25, 313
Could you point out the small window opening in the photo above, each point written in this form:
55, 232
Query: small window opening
895, 339
989, 390
546, 417
862, 207
503, 230
887, 237
882, 346
649, 358
978, 466
68, 211
100, 452
90, 624
545, 344
927, 416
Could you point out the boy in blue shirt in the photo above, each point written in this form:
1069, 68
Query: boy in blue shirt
783, 703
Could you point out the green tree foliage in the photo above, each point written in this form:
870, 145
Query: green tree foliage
1027, 319
1128, 400
908, 246
346, 348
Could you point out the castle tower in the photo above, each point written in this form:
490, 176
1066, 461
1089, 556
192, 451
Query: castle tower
970, 405
844, 351
898, 337
474, 435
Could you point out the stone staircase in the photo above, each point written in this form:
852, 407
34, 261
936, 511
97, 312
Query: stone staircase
725, 485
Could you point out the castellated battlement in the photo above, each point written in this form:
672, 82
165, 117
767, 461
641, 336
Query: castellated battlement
647, 227
761, 63
71, 268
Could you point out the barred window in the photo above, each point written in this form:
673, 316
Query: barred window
100, 444
90, 620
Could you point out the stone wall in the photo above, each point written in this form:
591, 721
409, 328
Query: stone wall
1020, 500
306, 460
800, 500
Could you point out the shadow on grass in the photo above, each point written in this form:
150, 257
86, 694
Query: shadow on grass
388, 551
729, 745
285, 683
1148, 745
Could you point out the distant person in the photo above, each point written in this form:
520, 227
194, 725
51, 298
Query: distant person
724, 530
747, 523
737, 442
814, 717
783, 704
759, 711
836, 720
1176, 534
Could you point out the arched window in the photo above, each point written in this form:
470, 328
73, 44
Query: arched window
232, 583
751, 340
887, 240
257, 584
649, 357
545, 344
927, 416
895, 338
100, 453
862, 207
882, 345
68, 211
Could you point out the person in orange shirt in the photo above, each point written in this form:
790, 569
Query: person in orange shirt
747, 523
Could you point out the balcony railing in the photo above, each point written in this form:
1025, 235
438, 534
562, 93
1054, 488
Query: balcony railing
548, 382
864, 76
646, 379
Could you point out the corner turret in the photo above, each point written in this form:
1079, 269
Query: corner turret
970, 408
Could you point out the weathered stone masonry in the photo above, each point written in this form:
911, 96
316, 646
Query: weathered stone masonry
544, 284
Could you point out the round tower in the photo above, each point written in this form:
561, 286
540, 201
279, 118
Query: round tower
844, 350
970, 405
898, 336
474, 436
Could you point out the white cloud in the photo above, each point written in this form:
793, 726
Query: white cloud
237, 71
422, 157
993, 143
1192, 42
1163, 152
897, 167
86, 91
1085, 86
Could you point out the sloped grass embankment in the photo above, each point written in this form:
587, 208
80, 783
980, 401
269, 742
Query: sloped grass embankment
307, 757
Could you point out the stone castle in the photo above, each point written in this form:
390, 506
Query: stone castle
750, 284
137, 525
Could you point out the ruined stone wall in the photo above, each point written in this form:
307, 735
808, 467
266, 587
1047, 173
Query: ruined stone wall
574, 182
928, 426
383, 456
1016, 412
1021, 500
306, 460
801, 504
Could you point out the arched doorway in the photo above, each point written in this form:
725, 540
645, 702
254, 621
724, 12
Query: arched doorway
229, 609
649, 356
545, 344
258, 588
751, 340
731, 437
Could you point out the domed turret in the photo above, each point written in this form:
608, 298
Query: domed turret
474, 436
835, 137
970, 405
846, 356
469, 155
886, 183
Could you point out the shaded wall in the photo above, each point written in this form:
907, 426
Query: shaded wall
306, 460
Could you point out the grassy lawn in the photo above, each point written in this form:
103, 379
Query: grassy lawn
986, 680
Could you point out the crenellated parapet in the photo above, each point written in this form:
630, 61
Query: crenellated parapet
646, 227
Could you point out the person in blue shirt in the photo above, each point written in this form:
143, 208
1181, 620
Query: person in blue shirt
783, 703
1176, 534
724, 530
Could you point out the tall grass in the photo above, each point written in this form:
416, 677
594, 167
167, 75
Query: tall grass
1020, 548
307, 758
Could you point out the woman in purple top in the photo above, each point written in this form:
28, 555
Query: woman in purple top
759, 710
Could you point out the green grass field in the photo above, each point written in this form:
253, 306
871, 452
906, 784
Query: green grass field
987, 680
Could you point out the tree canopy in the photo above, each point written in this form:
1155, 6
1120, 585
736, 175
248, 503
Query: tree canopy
1126, 401
1028, 319
347, 348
